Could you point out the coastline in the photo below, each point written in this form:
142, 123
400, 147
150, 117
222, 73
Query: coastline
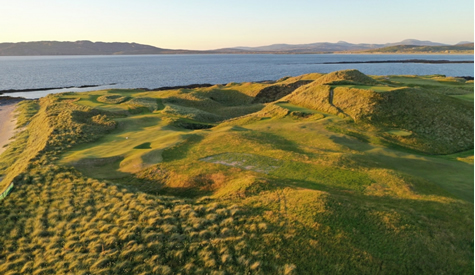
212, 52
7, 122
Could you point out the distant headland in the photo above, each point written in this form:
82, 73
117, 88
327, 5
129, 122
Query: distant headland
409, 46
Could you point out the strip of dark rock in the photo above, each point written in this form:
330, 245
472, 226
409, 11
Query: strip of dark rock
466, 77
9, 99
192, 86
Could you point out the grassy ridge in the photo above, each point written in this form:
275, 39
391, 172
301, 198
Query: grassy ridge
438, 123
221, 185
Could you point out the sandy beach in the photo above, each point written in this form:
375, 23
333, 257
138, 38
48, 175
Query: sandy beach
7, 123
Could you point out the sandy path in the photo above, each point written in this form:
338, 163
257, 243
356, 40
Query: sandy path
7, 123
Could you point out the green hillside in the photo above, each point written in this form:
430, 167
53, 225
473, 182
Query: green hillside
340, 173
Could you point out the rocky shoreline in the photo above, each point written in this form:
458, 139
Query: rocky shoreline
5, 100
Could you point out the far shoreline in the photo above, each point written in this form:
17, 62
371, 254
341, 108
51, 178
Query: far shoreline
244, 53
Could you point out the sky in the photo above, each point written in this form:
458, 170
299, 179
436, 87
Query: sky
213, 24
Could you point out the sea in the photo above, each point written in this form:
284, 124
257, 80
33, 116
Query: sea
154, 71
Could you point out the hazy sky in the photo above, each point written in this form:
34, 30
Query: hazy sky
211, 24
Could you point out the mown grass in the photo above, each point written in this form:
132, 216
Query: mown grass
434, 81
269, 189
132, 132
466, 97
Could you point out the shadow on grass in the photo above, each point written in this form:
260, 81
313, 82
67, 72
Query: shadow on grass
227, 97
134, 124
453, 176
180, 151
358, 143
145, 145
101, 168
275, 140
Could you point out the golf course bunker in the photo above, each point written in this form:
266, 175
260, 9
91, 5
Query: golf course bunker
112, 99
256, 163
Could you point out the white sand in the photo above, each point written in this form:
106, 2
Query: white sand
7, 124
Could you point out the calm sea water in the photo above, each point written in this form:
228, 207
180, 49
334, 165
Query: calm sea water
152, 71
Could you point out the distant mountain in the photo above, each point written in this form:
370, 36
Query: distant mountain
464, 42
415, 42
313, 47
329, 47
119, 48
81, 48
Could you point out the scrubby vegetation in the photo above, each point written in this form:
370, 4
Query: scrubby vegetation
326, 176
70, 224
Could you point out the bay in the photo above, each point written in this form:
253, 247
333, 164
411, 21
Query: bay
153, 71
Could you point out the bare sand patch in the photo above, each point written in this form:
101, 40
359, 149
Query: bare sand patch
7, 123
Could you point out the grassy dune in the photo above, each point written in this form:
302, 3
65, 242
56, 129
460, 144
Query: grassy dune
213, 181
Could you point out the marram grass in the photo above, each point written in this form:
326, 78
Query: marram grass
203, 181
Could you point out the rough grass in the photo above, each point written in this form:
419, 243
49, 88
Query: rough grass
270, 190
345, 77
377, 88
25, 110
278, 91
440, 124
139, 103
73, 225
348, 102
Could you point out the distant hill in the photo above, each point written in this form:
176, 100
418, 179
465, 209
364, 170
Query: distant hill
415, 42
459, 48
464, 42
119, 48
328, 47
81, 48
